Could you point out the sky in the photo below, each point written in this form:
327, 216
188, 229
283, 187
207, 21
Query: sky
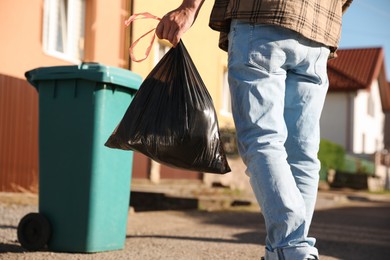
367, 24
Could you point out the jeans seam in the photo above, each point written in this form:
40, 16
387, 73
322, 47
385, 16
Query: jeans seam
315, 66
280, 253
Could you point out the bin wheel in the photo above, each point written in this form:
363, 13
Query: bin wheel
34, 231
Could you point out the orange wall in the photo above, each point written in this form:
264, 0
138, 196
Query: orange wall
21, 38
105, 32
21, 35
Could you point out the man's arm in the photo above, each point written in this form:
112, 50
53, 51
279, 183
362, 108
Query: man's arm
176, 22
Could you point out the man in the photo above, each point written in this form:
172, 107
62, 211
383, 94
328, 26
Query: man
277, 55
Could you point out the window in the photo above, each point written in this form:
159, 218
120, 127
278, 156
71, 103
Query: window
226, 99
63, 29
370, 105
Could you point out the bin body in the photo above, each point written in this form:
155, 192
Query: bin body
84, 187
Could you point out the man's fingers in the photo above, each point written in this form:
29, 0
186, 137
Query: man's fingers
172, 26
168, 30
177, 37
173, 35
159, 30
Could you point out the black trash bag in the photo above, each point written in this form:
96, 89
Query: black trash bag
172, 119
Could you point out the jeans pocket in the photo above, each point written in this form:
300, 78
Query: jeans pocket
266, 57
320, 67
265, 51
255, 45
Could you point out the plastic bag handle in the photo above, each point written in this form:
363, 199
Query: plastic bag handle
134, 17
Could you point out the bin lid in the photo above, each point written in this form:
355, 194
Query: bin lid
88, 71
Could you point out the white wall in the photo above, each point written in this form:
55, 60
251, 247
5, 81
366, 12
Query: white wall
346, 120
368, 126
334, 119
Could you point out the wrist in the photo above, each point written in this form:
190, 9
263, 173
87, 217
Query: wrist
192, 5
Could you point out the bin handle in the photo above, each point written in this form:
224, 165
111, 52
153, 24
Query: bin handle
144, 15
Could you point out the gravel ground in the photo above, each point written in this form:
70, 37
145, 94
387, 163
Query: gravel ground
154, 235
345, 228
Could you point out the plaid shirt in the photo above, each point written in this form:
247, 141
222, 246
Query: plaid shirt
318, 20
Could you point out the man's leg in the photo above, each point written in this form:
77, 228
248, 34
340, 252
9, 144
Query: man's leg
306, 88
257, 80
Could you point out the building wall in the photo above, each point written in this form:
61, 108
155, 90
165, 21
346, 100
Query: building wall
334, 119
387, 131
105, 32
18, 135
347, 120
21, 41
21, 27
369, 121
106, 41
21, 38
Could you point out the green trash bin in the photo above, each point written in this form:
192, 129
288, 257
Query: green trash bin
84, 187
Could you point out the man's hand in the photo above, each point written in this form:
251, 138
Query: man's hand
175, 23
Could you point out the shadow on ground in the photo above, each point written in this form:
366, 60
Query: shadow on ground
360, 231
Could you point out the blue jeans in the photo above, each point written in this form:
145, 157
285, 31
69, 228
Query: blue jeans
278, 83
